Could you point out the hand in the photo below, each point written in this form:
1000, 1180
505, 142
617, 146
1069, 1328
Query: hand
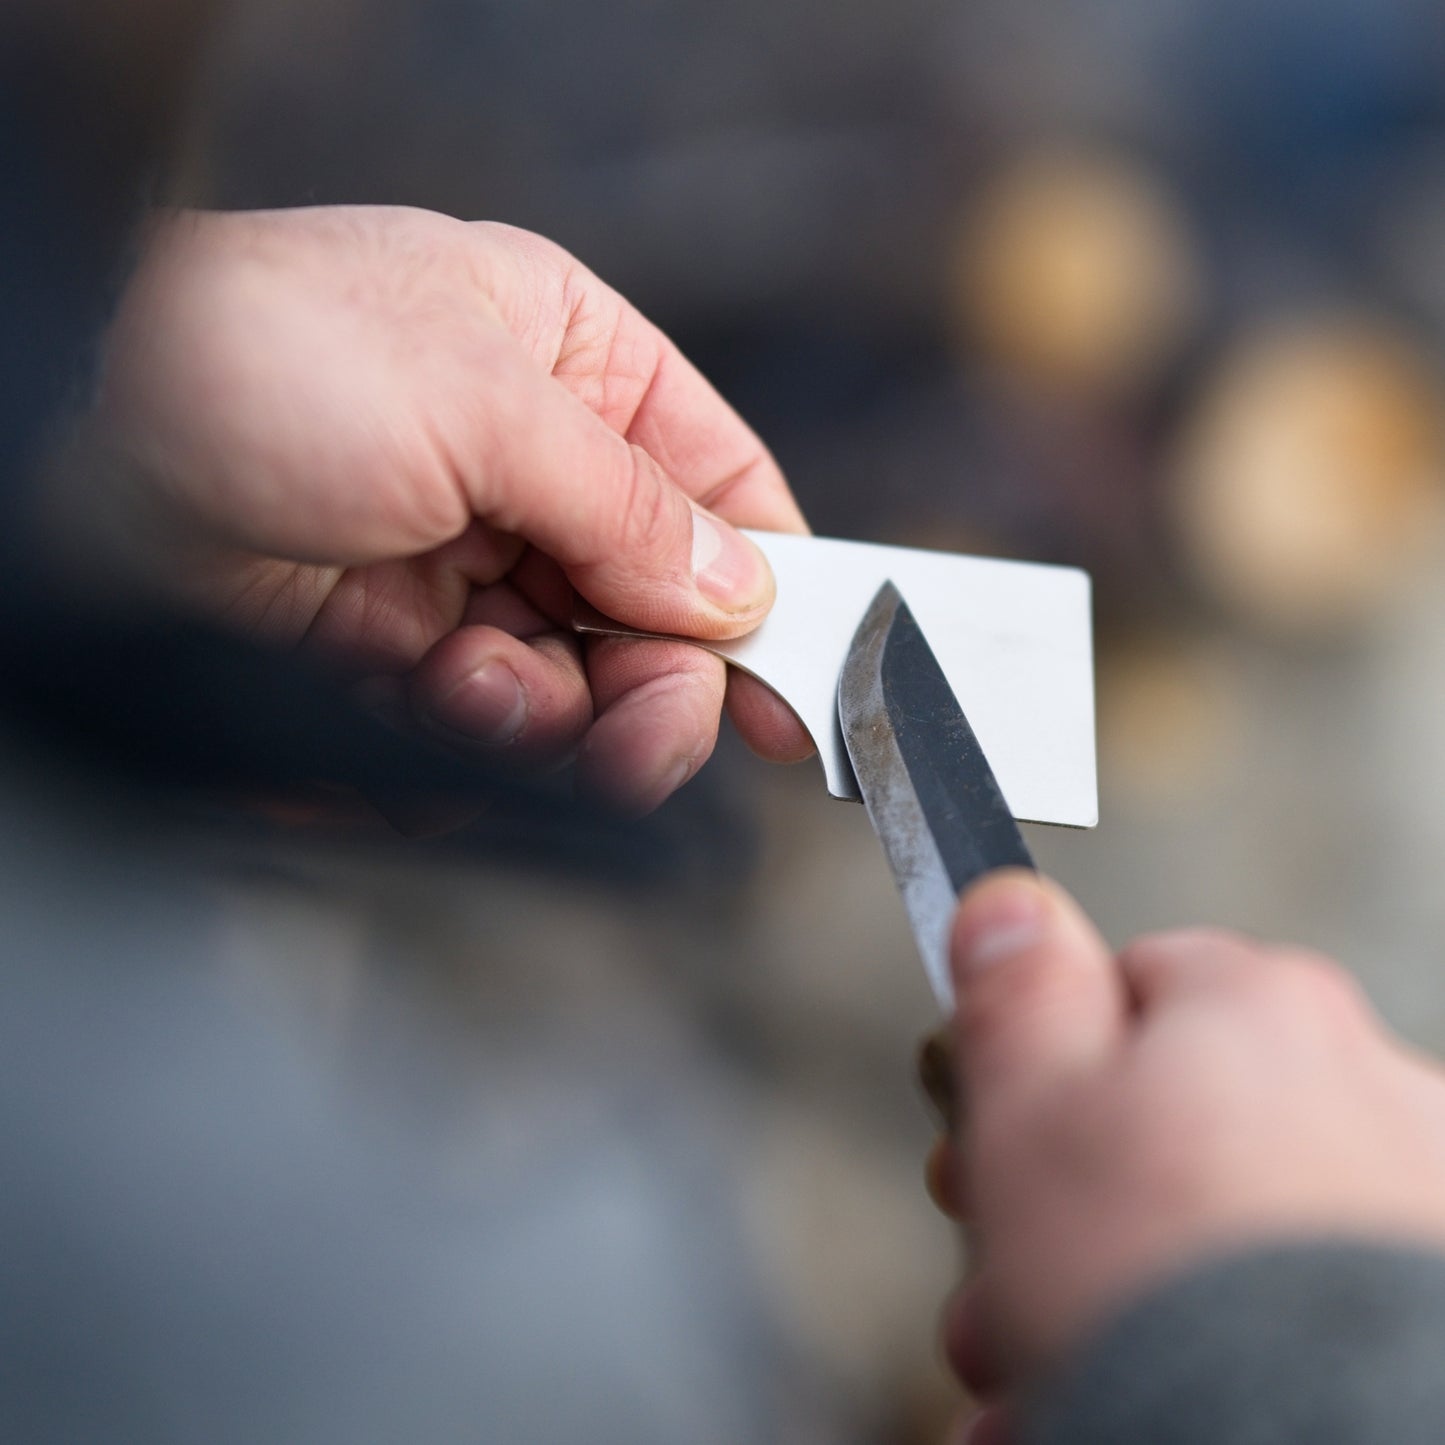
1127, 1118
403, 439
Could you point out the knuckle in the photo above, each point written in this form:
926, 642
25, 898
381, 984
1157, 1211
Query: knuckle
1153, 952
1195, 940
1296, 989
1156, 963
1303, 979
648, 523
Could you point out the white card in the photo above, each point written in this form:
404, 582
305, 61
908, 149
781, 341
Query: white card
1013, 638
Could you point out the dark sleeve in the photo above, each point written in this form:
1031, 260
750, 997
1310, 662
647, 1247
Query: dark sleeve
1330, 1344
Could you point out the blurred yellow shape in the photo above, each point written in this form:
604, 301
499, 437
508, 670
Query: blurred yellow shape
1078, 270
1307, 484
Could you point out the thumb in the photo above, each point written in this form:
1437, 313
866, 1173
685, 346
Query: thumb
1040, 996
630, 540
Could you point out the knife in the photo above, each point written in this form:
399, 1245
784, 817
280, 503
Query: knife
927, 785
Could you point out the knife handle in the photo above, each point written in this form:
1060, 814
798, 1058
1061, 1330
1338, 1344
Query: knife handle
938, 1077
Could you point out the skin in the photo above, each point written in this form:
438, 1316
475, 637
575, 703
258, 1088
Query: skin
1128, 1117
400, 439
403, 440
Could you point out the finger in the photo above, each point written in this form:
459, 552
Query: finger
480, 686
1160, 966
508, 608
535, 461
967, 1343
1040, 996
660, 402
385, 616
765, 722
1228, 969
543, 585
701, 441
632, 376
658, 706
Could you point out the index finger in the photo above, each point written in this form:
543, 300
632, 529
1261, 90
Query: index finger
1178, 961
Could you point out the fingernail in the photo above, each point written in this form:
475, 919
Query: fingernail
488, 705
728, 569
670, 780
1000, 918
662, 785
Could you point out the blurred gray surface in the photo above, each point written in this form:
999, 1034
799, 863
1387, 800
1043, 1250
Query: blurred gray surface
783, 186
264, 1187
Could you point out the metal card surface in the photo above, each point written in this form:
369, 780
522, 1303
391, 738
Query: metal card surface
1014, 640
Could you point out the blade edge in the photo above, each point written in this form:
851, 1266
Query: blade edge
888, 795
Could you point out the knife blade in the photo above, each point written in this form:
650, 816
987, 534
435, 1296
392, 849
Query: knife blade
925, 781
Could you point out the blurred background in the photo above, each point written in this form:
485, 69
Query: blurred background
1157, 290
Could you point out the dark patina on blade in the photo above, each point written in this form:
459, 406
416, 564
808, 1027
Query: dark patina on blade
925, 780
